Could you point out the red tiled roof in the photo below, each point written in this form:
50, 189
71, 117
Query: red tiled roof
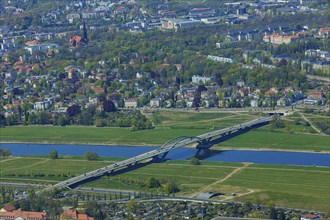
25, 215
32, 42
8, 208
310, 216
73, 214
325, 30
303, 33
99, 90
131, 99
76, 38
121, 8
291, 36
200, 9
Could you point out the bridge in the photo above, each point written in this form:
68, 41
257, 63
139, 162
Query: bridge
204, 142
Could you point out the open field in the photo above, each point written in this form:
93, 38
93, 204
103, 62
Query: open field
256, 139
170, 124
289, 186
278, 140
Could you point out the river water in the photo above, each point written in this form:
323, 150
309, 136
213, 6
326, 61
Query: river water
258, 157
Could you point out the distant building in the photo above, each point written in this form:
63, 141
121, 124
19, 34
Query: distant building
318, 54
200, 12
41, 105
155, 102
324, 32
220, 59
201, 79
227, 44
32, 48
74, 215
19, 214
77, 41
310, 217
131, 103
7, 208
174, 23
280, 39
254, 103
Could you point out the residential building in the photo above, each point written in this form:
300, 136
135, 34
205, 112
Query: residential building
174, 23
74, 215
19, 214
324, 32
7, 208
155, 102
41, 105
280, 39
199, 12
131, 103
310, 217
42, 47
201, 79
318, 54
227, 44
254, 103
220, 59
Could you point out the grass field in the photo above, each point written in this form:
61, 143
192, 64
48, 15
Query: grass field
289, 186
170, 124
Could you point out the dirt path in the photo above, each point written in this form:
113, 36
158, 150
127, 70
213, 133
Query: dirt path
9, 159
28, 166
315, 128
207, 188
239, 195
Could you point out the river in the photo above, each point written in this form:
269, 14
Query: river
253, 156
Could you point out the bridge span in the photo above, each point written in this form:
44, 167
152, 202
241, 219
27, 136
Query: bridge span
204, 141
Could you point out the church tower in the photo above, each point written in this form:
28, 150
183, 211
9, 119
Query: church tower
85, 36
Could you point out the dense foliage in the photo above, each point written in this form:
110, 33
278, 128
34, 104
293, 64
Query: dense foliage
5, 152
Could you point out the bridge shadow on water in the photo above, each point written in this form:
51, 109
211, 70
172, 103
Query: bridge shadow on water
204, 154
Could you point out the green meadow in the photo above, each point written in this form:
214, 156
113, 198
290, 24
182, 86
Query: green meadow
288, 186
171, 124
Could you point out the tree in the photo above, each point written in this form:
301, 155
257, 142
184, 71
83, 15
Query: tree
5, 152
61, 121
132, 206
90, 155
73, 110
171, 187
2, 120
109, 106
195, 161
152, 182
53, 154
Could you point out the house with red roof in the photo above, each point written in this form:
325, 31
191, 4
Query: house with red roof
310, 217
280, 39
77, 41
74, 215
8, 208
324, 32
19, 214
131, 103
